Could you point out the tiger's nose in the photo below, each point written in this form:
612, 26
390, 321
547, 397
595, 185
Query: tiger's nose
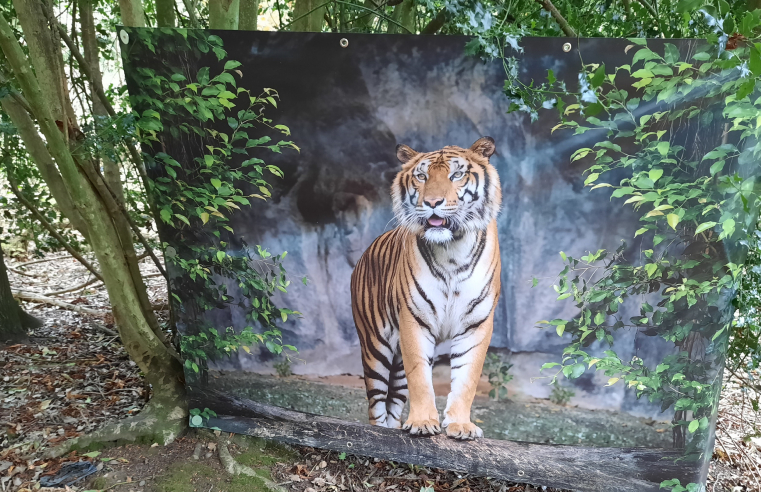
433, 202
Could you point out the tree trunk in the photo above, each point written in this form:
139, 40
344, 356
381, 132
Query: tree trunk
404, 14
308, 16
44, 45
248, 16
165, 15
133, 14
111, 170
11, 330
161, 369
223, 14
36, 148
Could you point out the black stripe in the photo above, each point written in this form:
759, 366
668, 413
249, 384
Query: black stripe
457, 356
484, 293
472, 327
422, 294
428, 258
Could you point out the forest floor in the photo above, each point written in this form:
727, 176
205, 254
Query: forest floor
74, 376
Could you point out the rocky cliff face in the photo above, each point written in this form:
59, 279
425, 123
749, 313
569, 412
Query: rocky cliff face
347, 110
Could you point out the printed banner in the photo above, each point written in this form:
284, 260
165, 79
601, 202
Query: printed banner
456, 264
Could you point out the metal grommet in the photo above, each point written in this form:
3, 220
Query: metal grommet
344, 42
124, 36
567, 47
349, 444
520, 473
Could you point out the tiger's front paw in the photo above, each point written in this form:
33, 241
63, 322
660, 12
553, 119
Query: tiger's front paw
466, 431
422, 427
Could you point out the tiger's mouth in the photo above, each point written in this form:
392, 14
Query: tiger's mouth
436, 222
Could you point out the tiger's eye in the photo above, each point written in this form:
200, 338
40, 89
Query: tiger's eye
457, 175
420, 177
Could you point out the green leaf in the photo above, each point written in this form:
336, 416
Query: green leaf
705, 225
671, 52
640, 231
663, 148
673, 220
754, 64
232, 64
182, 218
560, 329
216, 183
92, 454
694, 425
717, 166
655, 174
599, 318
220, 256
651, 268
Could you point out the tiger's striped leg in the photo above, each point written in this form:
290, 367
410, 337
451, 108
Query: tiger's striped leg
417, 344
467, 355
377, 374
397, 392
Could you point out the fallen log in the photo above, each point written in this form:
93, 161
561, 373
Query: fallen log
584, 468
41, 299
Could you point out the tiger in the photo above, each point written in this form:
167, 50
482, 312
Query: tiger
434, 277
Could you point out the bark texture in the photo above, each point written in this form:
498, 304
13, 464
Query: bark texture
11, 330
133, 13
308, 16
249, 15
404, 14
165, 14
223, 14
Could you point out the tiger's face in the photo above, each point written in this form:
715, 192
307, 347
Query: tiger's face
443, 194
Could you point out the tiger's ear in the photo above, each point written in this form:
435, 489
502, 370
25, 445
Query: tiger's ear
484, 146
404, 153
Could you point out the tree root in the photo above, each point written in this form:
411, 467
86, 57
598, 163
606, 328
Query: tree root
156, 423
234, 468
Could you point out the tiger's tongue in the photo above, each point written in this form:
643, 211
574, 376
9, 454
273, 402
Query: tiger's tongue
436, 221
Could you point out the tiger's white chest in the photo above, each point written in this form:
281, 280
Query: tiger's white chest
454, 285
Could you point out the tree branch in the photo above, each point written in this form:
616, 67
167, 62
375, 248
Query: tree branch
49, 227
41, 299
650, 9
436, 23
86, 70
564, 25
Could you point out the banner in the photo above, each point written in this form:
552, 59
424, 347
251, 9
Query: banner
462, 268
